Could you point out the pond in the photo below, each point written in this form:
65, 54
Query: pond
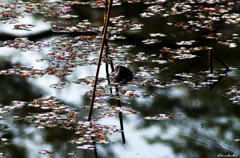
183, 99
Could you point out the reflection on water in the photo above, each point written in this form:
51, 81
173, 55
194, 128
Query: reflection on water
171, 76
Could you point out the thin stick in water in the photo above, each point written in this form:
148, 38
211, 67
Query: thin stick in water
99, 60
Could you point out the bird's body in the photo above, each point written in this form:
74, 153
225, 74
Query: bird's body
122, 74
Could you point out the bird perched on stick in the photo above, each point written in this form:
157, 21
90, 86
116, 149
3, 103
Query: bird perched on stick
122, 74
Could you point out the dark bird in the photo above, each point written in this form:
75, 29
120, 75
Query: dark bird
122, 74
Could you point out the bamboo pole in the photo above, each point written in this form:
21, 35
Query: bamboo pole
210, 61
95, 148
99, 59
107, 52
117, 91
104, 42
210, 67
105, 14
121, 127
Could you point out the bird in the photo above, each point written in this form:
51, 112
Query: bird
122, 74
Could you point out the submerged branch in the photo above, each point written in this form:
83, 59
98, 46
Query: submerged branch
210, 54
219, 79
219, 60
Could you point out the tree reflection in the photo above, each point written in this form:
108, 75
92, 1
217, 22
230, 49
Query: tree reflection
202, 120
15, 88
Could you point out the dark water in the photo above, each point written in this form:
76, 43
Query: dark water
205, 123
